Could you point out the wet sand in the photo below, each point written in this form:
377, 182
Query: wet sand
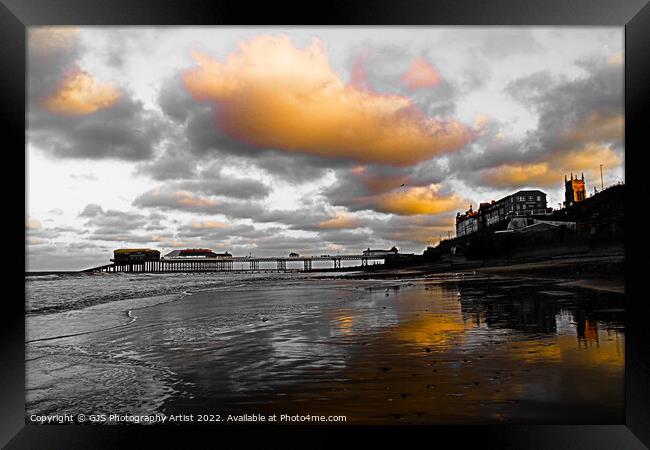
445, 349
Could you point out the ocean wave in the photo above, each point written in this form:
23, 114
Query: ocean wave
51, 293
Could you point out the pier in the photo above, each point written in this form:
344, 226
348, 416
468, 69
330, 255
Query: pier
248, 264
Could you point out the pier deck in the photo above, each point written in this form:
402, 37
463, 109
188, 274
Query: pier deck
247, 264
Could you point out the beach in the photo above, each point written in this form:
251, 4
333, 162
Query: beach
462, 347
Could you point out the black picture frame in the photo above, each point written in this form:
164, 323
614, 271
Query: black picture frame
16, 15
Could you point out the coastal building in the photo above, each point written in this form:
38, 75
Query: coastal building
392, 251
574, 190
521, 203
467, 223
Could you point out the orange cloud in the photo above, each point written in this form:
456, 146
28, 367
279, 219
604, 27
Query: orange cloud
480, 121
49, 39
588, 159
340, 221
617, 59
551, 172
80, 94
359, 75
421, 75
184, 198
379, 183
508, 175
272, 94
208, 224
598, 128
33, 224
418, 200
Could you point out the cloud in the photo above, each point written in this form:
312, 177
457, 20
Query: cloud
119, 226
414, 231
91, 210
271, 94
421, 75
212, 181
37, 234
580, 126
617, 59
340, 221
208, 224
198, 194
404, 191
71, 114
49, 40
171, 164
418, 200
80, 94
551, 169
33, 224
166, 198
584, 109
384, 69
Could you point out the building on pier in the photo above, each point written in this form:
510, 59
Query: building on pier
198, 253
131, 255
392, 251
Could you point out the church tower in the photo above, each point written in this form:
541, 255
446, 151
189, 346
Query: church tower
574, 190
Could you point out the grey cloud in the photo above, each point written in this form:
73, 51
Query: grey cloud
500, 43
386, 78
91, 210
115, 225
356, 192
123, 131
170, 165
222, 186
170, 199
561, 103
493, 42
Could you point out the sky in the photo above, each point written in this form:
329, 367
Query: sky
266, 141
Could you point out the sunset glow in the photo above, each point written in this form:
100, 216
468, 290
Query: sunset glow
273, 94
421, 75
80, 94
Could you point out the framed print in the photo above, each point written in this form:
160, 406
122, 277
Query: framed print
389, 218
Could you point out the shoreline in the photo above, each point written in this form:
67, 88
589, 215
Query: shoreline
438, 350
601, 272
